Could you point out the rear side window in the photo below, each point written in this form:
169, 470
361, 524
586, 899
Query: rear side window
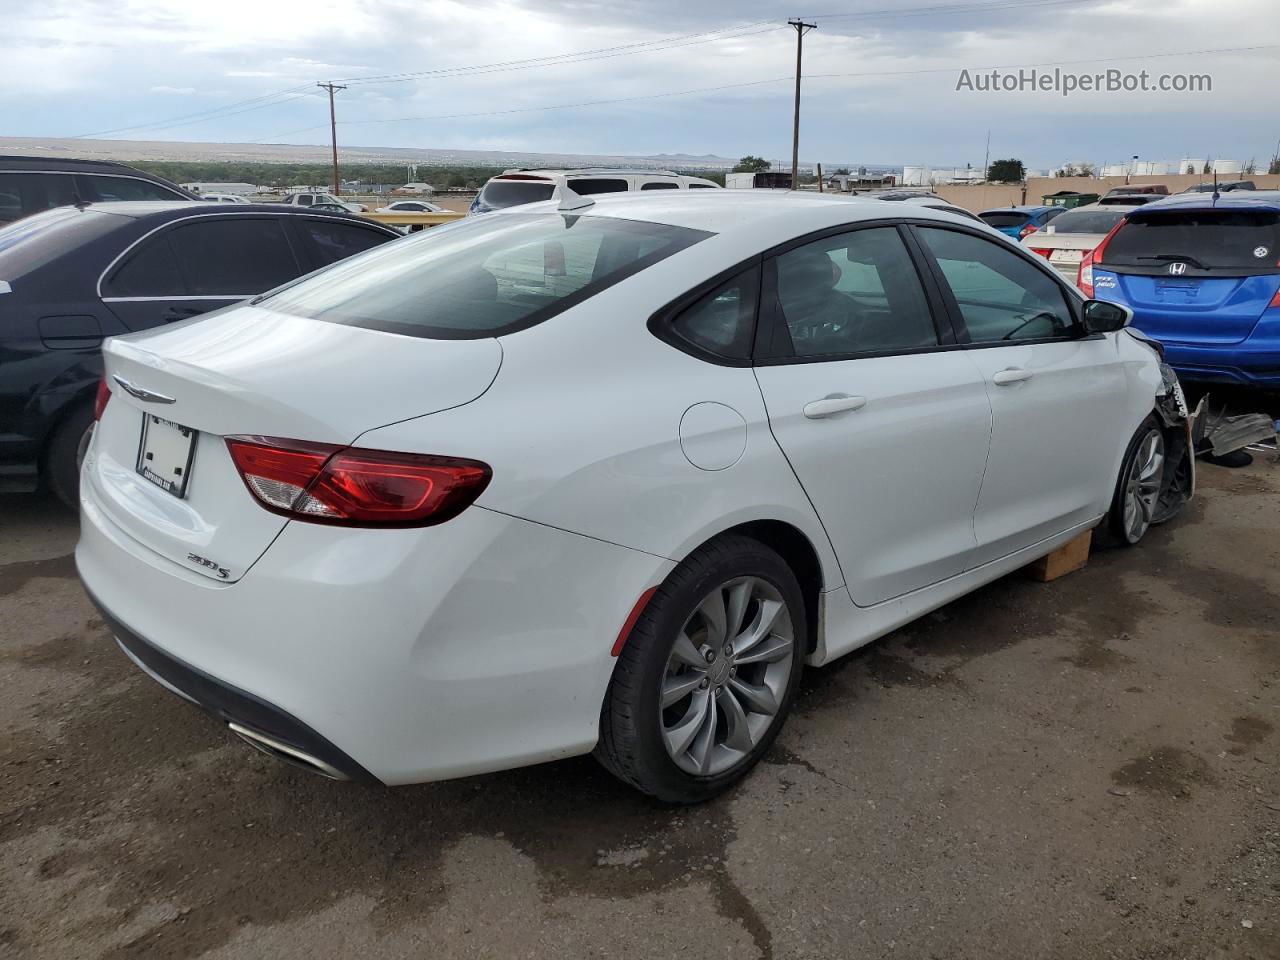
330, 241
660, 185
723, 321
1012, 219
38, 240
1235, 241
1000, 295
584, 186
150, 271
127, 188
702, 186
853, 293
306, 200
485, 276
1087, 221
233, 256
22, 194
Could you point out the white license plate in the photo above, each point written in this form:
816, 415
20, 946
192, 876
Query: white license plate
165, 453
1067, 256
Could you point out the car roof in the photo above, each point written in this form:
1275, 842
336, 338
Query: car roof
174, 209
67, 165
777, 213
1235, 200
1031, 208
577, 171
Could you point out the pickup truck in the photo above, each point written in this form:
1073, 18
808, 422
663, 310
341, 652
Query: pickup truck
311, 199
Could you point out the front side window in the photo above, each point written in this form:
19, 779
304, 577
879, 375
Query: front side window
233, 256
1000, 295
330, 242
723, 321
485, 276
128, 188
853, 293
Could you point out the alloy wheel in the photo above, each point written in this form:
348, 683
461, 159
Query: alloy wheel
726, 676
1142, 486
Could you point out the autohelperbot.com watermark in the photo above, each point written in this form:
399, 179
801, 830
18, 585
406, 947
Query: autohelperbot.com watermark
1067, 83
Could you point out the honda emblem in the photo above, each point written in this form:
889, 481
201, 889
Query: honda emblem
1177, 269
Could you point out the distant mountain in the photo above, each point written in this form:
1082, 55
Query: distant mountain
134, 150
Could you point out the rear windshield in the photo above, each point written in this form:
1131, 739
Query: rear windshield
1215, 240
34, 241
482, 277
1013, 219
499, 194
1086, 221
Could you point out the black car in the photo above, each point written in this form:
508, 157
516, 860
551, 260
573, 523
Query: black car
70, 277
1225, 186
31, 184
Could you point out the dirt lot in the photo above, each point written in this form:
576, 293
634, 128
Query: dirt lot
1088, 768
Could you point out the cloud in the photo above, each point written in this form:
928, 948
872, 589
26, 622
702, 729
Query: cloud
185, 91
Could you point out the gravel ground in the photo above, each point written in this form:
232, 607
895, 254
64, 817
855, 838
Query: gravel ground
1087, 768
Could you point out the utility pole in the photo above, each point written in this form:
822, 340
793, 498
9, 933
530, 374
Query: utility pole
801, 29
333, 130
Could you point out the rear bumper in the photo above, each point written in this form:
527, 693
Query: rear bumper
390, 655
1252, 363
261, 721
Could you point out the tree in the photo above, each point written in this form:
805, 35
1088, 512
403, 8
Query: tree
750, 164
1086, 170
842, 172
1006, 171
1251, 167
1274, 166
1069, 170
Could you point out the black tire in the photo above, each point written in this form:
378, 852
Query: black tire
1117, 532
64, 453
632, 744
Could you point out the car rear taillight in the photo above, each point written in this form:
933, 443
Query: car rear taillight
100, 401
1040, 251
1084, 279
350, 486
1275, 301
1027, 231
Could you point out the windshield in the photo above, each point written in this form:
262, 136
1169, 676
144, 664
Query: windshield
1086, 221
1239, 241
500, 194
1007, 219
482, 277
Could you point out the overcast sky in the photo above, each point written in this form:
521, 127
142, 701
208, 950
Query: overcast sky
73, 67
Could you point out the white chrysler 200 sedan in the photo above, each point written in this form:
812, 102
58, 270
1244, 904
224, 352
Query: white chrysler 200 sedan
602, 476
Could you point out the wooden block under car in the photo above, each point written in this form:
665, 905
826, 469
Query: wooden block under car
1069, 557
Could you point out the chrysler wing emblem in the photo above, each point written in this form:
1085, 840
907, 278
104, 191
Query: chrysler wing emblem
1175, 269
146, 396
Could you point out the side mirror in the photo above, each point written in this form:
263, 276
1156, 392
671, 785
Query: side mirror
1102, 316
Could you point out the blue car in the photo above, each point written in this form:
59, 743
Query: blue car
1018, 222
1202, 276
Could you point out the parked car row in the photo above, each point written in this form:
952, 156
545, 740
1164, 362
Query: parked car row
71, 276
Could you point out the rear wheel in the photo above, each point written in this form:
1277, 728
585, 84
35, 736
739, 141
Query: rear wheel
707, 676
1137, 493
65, 453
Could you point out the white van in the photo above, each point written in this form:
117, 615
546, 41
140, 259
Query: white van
514, 187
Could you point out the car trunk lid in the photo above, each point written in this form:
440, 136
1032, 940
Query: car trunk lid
250, 371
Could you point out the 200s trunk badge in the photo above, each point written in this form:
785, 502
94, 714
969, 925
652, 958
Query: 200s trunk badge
146, 396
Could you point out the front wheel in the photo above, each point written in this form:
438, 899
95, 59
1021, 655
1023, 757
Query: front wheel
1137, 493
708, 674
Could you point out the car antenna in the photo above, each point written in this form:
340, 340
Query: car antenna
568, 199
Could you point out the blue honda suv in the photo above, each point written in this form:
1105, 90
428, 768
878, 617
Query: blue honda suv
1202, 275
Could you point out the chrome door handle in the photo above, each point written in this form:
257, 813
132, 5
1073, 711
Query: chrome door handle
1002, 378
830, 406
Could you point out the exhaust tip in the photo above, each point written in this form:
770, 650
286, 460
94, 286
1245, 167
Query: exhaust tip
282, 751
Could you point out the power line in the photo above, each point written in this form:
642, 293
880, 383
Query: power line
811, 76
200, 115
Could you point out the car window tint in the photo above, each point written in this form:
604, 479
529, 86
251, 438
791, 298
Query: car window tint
127, 188
330, 241
26, 193
702, 186
723, 321
661, 185
852, 293
305, 200
483, 276
151, 270
1000, 295
1011, 219
233, 256
584, 186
